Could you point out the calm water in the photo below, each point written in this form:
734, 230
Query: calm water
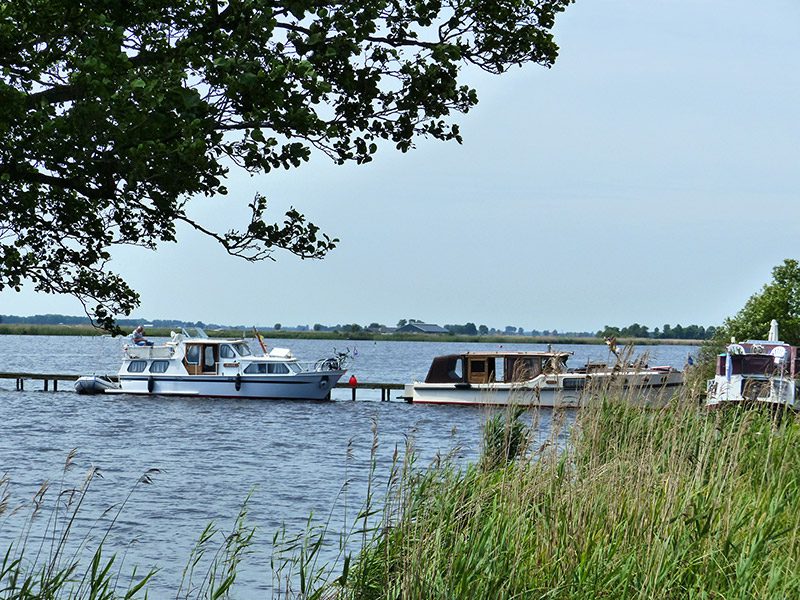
293, 456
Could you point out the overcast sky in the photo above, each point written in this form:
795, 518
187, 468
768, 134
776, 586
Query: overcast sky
650, 176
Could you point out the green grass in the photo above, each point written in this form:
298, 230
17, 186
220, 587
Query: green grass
670, 503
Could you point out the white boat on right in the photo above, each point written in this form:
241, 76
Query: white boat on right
756, 372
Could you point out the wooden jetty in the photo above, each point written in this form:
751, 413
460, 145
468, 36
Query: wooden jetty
50, 381
47, 378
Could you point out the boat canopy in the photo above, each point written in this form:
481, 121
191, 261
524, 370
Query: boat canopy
759, 357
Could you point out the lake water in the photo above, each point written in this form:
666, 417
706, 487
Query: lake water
292, 457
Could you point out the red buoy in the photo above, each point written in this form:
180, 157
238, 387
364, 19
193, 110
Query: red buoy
353, 381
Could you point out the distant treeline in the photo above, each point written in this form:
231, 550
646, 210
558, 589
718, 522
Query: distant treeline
472, 329
667, 332
70, 320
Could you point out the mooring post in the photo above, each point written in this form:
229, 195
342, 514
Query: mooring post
46, 384
55, 385
353, 384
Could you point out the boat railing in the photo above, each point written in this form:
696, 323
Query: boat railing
322, 365
148, 352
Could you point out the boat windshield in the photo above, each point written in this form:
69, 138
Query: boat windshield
746, 364
242, 349
198, 332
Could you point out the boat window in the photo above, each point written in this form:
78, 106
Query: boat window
555, 364
759, 364
574, 383
457, 372
226, 351
242, 349
523, 368
193, 355
499, 370
294, 367
137, 366
159, 366
446, 369
208, 357
490, 367
258, 368
478, 370
277, 368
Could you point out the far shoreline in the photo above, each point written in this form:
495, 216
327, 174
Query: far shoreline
88, 330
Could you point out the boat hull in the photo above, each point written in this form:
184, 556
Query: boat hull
736, 390
304, 386
564, 391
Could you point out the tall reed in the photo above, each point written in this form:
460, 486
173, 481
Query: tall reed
642, 503
47, 564
671, 502
51, 559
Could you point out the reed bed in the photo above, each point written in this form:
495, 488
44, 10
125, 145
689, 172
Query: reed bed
619, 501
642, 503
52, 559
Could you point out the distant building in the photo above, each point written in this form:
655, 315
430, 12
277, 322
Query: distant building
421, 328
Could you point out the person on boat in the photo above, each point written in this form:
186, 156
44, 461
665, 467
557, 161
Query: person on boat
138, 337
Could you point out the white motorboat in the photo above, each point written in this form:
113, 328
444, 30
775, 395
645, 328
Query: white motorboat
534, 379
756, 372
201, 366
94, 384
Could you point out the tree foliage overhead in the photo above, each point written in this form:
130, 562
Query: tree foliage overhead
668, 332
114, 114
779, 300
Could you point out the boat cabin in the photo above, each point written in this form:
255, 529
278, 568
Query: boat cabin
202, 357
495, 367
757, 358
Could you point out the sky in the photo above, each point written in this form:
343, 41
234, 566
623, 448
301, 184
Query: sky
650, 176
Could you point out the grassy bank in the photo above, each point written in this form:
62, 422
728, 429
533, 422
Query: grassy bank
622, 502
643, 504
87, 330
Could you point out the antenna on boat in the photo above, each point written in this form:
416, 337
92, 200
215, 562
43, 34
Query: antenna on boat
260, 341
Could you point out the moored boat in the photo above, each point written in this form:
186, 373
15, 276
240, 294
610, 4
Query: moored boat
534, 379
756, 372
197, 365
